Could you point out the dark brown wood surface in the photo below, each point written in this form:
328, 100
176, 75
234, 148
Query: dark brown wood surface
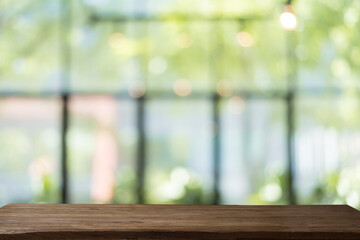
40, 221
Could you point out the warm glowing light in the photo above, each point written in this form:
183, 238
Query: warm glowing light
288, 19
115, 40
244, 39
184, 40
137, 89
182, 87
224, 88
236, 105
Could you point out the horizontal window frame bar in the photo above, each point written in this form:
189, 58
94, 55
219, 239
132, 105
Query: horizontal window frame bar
334, 92
97, 17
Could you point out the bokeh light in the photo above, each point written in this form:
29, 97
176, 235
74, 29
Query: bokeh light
184, 40
244, 39
182, 87
236, 105
137, 89
115, 40
288, 19
157, 65
180, 176
272, 192
224, 88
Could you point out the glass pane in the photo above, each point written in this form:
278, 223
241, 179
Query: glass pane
29, 46
230, 47
116, 7
328, 51
29, 146
253, 151
107, 57
179, 151
178, 57
269, 55
240, 55
102, 143
240, 8
184, 7
328, 150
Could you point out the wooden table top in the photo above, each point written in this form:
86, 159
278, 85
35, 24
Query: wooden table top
86, 221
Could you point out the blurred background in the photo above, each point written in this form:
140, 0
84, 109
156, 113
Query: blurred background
180, 101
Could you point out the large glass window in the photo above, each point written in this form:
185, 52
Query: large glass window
30, 150
254, 159
179, 101
179, 141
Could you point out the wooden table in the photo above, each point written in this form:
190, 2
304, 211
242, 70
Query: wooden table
33, 221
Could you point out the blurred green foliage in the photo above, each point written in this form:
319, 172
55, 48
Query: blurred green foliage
327, 67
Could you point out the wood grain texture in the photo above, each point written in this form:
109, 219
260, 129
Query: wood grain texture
45, 221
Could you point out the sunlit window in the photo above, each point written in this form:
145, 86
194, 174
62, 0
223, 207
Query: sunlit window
180, 101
